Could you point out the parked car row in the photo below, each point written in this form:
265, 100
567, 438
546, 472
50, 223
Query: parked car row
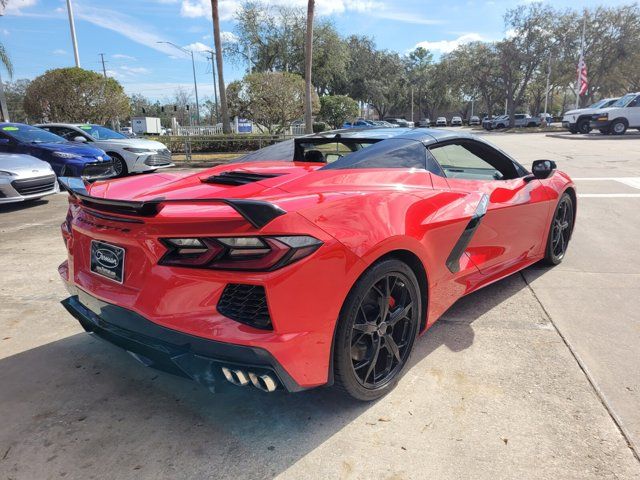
521, 120
32, 156
610, 116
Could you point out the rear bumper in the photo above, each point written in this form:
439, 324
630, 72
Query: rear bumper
199, 359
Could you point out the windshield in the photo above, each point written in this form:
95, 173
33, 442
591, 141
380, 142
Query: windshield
101, 133
28, 134
598, 104
623, 101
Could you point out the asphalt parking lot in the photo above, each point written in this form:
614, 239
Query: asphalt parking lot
535, 377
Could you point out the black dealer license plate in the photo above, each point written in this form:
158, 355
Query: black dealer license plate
107, 260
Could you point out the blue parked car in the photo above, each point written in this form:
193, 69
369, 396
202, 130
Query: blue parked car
67, 159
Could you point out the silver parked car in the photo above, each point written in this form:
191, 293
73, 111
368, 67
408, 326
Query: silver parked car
130, 155
23, 177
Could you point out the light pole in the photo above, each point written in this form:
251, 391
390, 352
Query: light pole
195, 83
72, 26
215, 88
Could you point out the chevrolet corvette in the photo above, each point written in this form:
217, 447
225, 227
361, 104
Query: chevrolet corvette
315, 261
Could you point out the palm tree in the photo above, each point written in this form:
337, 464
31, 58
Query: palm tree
226, 126
308, 59
6, 62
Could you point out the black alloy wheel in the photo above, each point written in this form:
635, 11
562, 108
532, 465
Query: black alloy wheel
583, 127
377, 330
618, 127
561, 230
119, 165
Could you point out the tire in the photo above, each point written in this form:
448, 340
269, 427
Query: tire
618, 127
560, 231
370, 352
573, 131
583, 127
119, 165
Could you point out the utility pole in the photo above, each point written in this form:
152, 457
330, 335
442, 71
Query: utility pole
72, 26
104, 70
215, 88
195, 83
581, 61
546, 93
412, 119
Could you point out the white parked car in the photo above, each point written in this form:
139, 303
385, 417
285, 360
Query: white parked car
23, 178
441, 122
130, 155
616, 119
456, 121
578, 120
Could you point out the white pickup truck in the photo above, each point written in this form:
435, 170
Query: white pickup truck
578, 120
616, 119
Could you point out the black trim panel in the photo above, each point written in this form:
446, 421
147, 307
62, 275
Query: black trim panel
453, 260
257, 212
169, 350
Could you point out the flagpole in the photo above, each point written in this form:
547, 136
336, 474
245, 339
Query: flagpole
584, 24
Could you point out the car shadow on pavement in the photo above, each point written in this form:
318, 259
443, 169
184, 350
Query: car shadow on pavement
14, 207
79, 407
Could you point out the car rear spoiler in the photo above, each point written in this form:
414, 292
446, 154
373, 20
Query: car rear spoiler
257, 212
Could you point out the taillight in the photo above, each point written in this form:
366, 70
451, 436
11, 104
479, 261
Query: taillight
238, 253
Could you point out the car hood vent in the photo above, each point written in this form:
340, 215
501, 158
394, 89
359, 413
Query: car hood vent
239, 177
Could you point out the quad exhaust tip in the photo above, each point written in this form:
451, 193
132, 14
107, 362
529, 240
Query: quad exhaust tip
264, 382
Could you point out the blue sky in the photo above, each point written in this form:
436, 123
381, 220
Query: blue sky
36, 33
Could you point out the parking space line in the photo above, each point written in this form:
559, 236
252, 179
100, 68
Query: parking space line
609, 195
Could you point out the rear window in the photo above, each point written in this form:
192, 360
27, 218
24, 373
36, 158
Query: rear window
281, 151
391, 153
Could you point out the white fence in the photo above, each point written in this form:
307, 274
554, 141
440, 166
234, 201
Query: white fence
203, 130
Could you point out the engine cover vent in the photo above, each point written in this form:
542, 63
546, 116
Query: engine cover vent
236, 178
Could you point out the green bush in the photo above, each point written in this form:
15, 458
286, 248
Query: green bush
218, 143
320, 127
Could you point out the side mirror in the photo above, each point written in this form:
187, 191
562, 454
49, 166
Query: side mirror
4, 141
79, 139
542, 169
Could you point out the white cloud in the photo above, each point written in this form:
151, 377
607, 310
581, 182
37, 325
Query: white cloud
127, 26
376, 8
134, 70
197, 47
446, 46
122, 56
59, 51
14, 6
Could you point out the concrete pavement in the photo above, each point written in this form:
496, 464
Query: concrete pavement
494, 391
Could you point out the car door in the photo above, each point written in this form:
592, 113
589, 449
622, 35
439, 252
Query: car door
513, 228
633, 112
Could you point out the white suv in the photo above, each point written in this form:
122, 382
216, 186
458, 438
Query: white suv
623, 114
577, 121
130, 155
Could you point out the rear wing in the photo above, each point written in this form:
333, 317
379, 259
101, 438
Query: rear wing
257, 212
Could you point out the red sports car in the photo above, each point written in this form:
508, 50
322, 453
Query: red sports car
315, 261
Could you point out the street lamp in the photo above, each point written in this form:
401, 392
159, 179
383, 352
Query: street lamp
195, 83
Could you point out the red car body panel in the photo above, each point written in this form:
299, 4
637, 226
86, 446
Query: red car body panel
359, 215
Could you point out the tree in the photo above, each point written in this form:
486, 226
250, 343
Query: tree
15, 93
308, 60
522, 55
75, 95
226, 125
337, 109
271, 99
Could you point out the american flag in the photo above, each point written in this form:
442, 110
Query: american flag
583, 83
